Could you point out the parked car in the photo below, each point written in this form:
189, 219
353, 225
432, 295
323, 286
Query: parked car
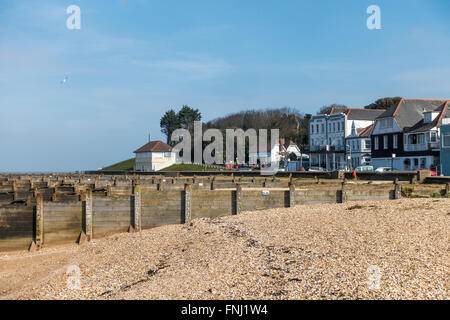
384, 169
432, 172
364, 168
316, 169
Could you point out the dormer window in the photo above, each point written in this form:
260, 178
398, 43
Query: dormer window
386, 123
429, 116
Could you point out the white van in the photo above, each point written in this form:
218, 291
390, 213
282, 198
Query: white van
383, 169
364, 168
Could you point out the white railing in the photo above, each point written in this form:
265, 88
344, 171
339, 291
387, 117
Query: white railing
422, 146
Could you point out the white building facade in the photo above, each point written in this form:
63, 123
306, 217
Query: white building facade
154, 156
407, 136
328, 135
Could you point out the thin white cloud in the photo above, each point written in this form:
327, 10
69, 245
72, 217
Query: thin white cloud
193, 69
425, 81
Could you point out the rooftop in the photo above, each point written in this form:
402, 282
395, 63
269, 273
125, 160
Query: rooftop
408, 113
154, 146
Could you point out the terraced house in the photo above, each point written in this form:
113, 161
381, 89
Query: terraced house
407, 136
359, 147
328, 134
445, 147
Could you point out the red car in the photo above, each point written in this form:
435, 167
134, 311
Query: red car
433, 173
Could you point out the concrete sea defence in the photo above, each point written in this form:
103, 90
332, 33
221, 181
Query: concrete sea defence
46, 210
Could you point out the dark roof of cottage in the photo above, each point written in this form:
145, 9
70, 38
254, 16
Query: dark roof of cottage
154, 146
358, 113
408, 113
364, 114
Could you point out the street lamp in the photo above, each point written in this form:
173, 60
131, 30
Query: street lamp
392, 163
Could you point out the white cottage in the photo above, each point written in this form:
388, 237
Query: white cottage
154, 156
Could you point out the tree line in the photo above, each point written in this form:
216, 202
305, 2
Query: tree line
293, 124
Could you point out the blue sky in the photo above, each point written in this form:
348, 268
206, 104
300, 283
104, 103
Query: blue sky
132, 60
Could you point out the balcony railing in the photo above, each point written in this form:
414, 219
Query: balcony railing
422, 146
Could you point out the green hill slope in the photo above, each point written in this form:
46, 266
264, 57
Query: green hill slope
127, 165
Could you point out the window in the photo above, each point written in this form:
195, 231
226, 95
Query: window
368, 144
416, 162
407, 164
334, 126
385, 142
386, 123
421, 138
312, 128
376, 142
323, 128
433, 136
446, 140
423, 162
339, 126
317, 128
166, 154
395, 141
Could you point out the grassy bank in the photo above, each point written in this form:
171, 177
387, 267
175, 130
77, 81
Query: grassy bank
127, 165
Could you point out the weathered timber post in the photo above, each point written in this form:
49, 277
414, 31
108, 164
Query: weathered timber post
291, 194
344, 192
397, 191
39, 221
29, 200
265, 183
447, 189
137, 208
86, 234
159, 186
213, 183
187, 202
89, 217
413, 179
238, 199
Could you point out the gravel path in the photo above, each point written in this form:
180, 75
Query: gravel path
358, 250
